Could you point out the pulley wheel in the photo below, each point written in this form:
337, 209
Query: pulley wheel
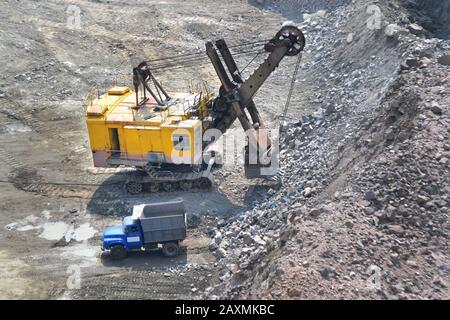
296, 37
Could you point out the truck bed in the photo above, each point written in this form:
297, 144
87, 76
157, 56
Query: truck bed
162, 222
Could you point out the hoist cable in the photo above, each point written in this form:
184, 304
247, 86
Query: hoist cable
194, 63
254, 58
291, 89
192, 59
201, 52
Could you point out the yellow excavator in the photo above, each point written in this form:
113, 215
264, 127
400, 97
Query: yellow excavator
162, 134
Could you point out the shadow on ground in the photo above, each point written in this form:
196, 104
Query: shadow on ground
145, 260
111, 199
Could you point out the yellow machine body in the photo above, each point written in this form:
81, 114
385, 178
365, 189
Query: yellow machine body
122, 133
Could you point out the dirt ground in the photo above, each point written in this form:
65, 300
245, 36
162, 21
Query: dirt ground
48, 188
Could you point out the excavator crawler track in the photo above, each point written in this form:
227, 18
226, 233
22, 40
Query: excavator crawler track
162, 182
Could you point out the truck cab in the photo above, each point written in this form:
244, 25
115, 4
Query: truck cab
128, 235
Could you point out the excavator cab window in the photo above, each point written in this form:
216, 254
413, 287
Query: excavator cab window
181, 142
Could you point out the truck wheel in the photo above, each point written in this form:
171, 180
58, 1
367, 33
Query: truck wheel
170, 249
118, 252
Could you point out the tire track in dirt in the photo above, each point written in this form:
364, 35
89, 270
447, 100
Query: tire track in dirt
25, 177
139, 285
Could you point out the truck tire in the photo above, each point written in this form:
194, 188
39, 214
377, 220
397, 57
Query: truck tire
118, 252
170, 249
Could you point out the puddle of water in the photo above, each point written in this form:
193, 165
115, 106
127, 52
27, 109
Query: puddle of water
22, 225
31, 219
59, 230
27, 228
12, 226
46, 214
84, 232
17, 127
69, 233
54, 230
87, 253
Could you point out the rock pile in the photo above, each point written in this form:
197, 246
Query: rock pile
363, 211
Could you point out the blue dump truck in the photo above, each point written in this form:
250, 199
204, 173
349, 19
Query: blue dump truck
152, 226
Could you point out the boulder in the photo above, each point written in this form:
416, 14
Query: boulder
415, 29
392, 30
444, 60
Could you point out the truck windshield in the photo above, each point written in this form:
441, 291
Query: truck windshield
130, 228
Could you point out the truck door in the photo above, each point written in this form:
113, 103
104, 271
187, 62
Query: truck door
133, 237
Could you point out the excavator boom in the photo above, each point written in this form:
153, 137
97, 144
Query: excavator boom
236, 95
